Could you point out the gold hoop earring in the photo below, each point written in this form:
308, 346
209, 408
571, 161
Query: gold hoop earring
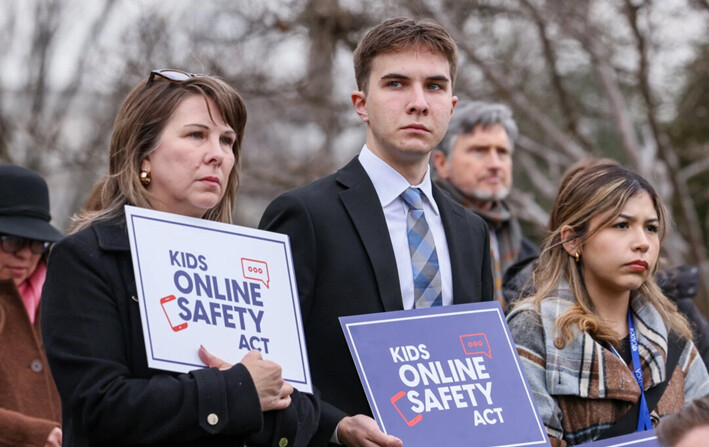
145, 178
577, 257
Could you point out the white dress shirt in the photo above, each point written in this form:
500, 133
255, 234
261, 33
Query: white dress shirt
389, 185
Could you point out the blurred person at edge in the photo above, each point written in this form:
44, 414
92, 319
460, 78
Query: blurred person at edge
175, 147
689, 427
596, 338
30, 411
474, 165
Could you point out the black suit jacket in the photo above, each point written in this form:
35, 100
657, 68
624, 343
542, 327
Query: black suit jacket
345, 265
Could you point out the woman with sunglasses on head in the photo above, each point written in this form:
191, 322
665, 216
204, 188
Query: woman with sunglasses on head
175, 147
30, 412
605, 353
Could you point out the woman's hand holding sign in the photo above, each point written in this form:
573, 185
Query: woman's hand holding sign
274, 392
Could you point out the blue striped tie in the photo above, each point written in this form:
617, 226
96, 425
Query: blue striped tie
424, 260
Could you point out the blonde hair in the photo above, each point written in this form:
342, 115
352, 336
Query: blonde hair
139, 124
590, 189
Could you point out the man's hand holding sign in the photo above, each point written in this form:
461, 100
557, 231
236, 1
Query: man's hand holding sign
362, 431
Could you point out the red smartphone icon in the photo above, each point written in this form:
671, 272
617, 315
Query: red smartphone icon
410, 422
169, 302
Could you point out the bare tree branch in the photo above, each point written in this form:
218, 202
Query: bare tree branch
693, 223
643, 73
70, 92
528, 210
540, 181
540, 151
695, 169
569, 113
618, 107
700, 4
46, 23
8, 23
498, 79
325, 21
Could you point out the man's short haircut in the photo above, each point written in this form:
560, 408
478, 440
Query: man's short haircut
399, 34
467, 116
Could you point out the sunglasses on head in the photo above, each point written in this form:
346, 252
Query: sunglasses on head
171, 75
12, 244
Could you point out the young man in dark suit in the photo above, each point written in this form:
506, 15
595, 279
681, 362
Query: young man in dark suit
350, 231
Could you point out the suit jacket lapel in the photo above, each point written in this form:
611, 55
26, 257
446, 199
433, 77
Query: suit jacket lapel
460, 242
362, 204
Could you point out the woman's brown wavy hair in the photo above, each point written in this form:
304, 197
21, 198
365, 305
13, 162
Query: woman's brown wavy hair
137, 130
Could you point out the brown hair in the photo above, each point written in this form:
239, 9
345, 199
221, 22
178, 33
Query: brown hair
139, 124
399, 34
674, 427
590, 189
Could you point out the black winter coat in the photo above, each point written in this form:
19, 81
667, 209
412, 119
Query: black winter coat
94, 342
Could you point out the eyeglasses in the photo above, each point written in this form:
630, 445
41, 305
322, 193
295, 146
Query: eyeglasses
13, 244
171, 75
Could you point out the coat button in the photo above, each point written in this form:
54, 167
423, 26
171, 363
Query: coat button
559, 343
212, 419
36, 365
283, 442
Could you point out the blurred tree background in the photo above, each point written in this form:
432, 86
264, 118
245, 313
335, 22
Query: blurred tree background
625, 79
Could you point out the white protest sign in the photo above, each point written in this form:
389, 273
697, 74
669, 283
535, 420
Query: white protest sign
229, 288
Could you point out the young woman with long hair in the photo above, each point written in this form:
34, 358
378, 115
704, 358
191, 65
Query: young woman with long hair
596, 304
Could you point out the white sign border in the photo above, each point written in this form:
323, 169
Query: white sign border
133, 213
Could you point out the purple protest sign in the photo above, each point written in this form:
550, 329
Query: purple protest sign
445, 376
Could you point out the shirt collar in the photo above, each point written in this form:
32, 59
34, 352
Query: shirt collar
388, 183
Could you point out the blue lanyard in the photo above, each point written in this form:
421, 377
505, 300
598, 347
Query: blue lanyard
644, 421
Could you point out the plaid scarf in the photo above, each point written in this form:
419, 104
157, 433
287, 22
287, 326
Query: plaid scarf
581, 388
505, 233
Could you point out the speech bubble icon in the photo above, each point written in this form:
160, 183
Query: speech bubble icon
256, 270
476, 344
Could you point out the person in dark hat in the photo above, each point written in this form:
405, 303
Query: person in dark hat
30, 409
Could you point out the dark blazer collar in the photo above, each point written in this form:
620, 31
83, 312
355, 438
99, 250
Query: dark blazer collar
361, 202
353, 174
